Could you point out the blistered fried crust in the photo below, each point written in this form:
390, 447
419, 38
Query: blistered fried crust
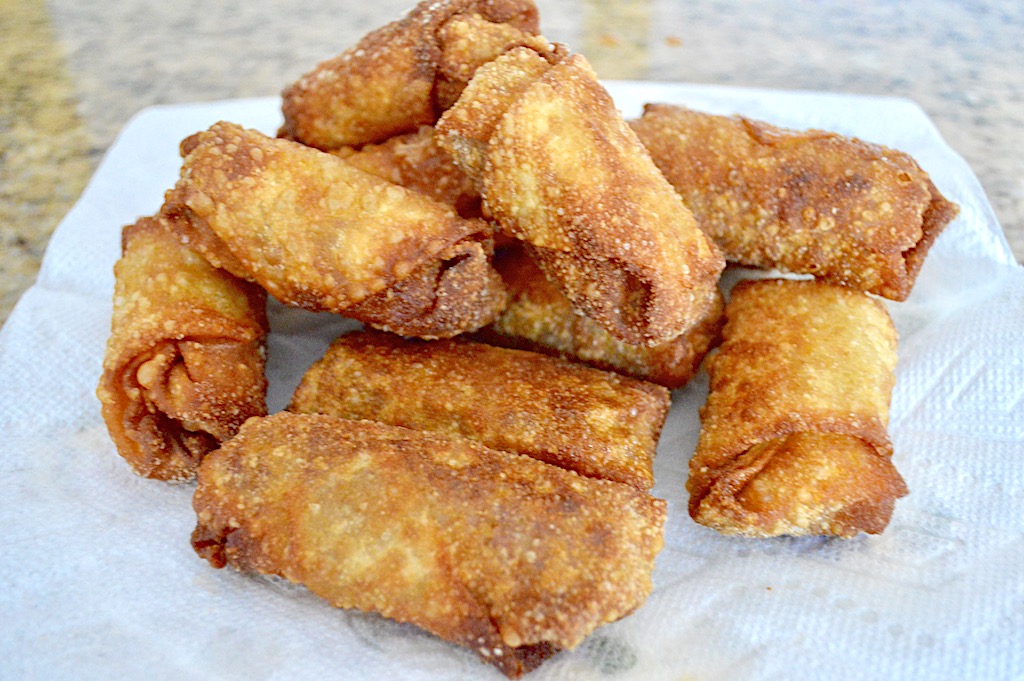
184, 363
401, 75
594, 422
810, 202
540, 318
794, 435
415, 161
494, 551
317, 232
565, 174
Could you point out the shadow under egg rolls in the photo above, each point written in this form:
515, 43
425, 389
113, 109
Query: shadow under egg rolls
794, 435
184, 363
560, 170
596, 423
539, 318
500, 553
405, 73
318, 233
809, 202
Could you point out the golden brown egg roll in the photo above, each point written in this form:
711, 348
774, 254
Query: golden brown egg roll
565, 174
810, 202
404, 74
596, 423
494, 551
541, 319
184, 363
318, 233
794, 435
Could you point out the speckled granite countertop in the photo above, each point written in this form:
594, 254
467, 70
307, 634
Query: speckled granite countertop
74, 73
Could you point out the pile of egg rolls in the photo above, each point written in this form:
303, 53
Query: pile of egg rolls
534, 275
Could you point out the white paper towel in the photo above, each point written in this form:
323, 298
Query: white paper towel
98, 580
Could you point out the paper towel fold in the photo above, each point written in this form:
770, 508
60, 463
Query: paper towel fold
97, 578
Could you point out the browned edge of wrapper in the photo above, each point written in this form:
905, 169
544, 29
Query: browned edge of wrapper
458, 294
937, 215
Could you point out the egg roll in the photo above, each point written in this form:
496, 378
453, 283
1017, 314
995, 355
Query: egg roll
500, 553
794, 434
594, 422
318, 233
561, 171
402, 75
810, 202
539, 318
184, 363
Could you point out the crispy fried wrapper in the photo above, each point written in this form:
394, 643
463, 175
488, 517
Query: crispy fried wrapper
404, 74
415, 161
540, 318
494, 551
184, 363
596, 423
560, 170
810, 202
794, 435
319, 233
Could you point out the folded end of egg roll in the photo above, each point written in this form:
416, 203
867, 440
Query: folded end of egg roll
184, 364
802, 484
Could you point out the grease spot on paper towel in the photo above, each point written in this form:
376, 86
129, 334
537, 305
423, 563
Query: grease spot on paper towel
416, 647
231, 653
915, 546
608, 655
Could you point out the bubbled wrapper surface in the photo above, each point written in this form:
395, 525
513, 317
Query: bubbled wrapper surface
98, 579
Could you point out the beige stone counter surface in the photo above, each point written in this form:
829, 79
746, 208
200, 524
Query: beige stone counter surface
73, 73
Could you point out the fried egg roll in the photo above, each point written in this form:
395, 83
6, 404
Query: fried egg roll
596, 423
541, 319
404, 74
809, 202
184, 363
318, 233
560, 170
497, 552
794, 435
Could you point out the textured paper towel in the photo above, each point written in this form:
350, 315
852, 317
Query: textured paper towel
97, 578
